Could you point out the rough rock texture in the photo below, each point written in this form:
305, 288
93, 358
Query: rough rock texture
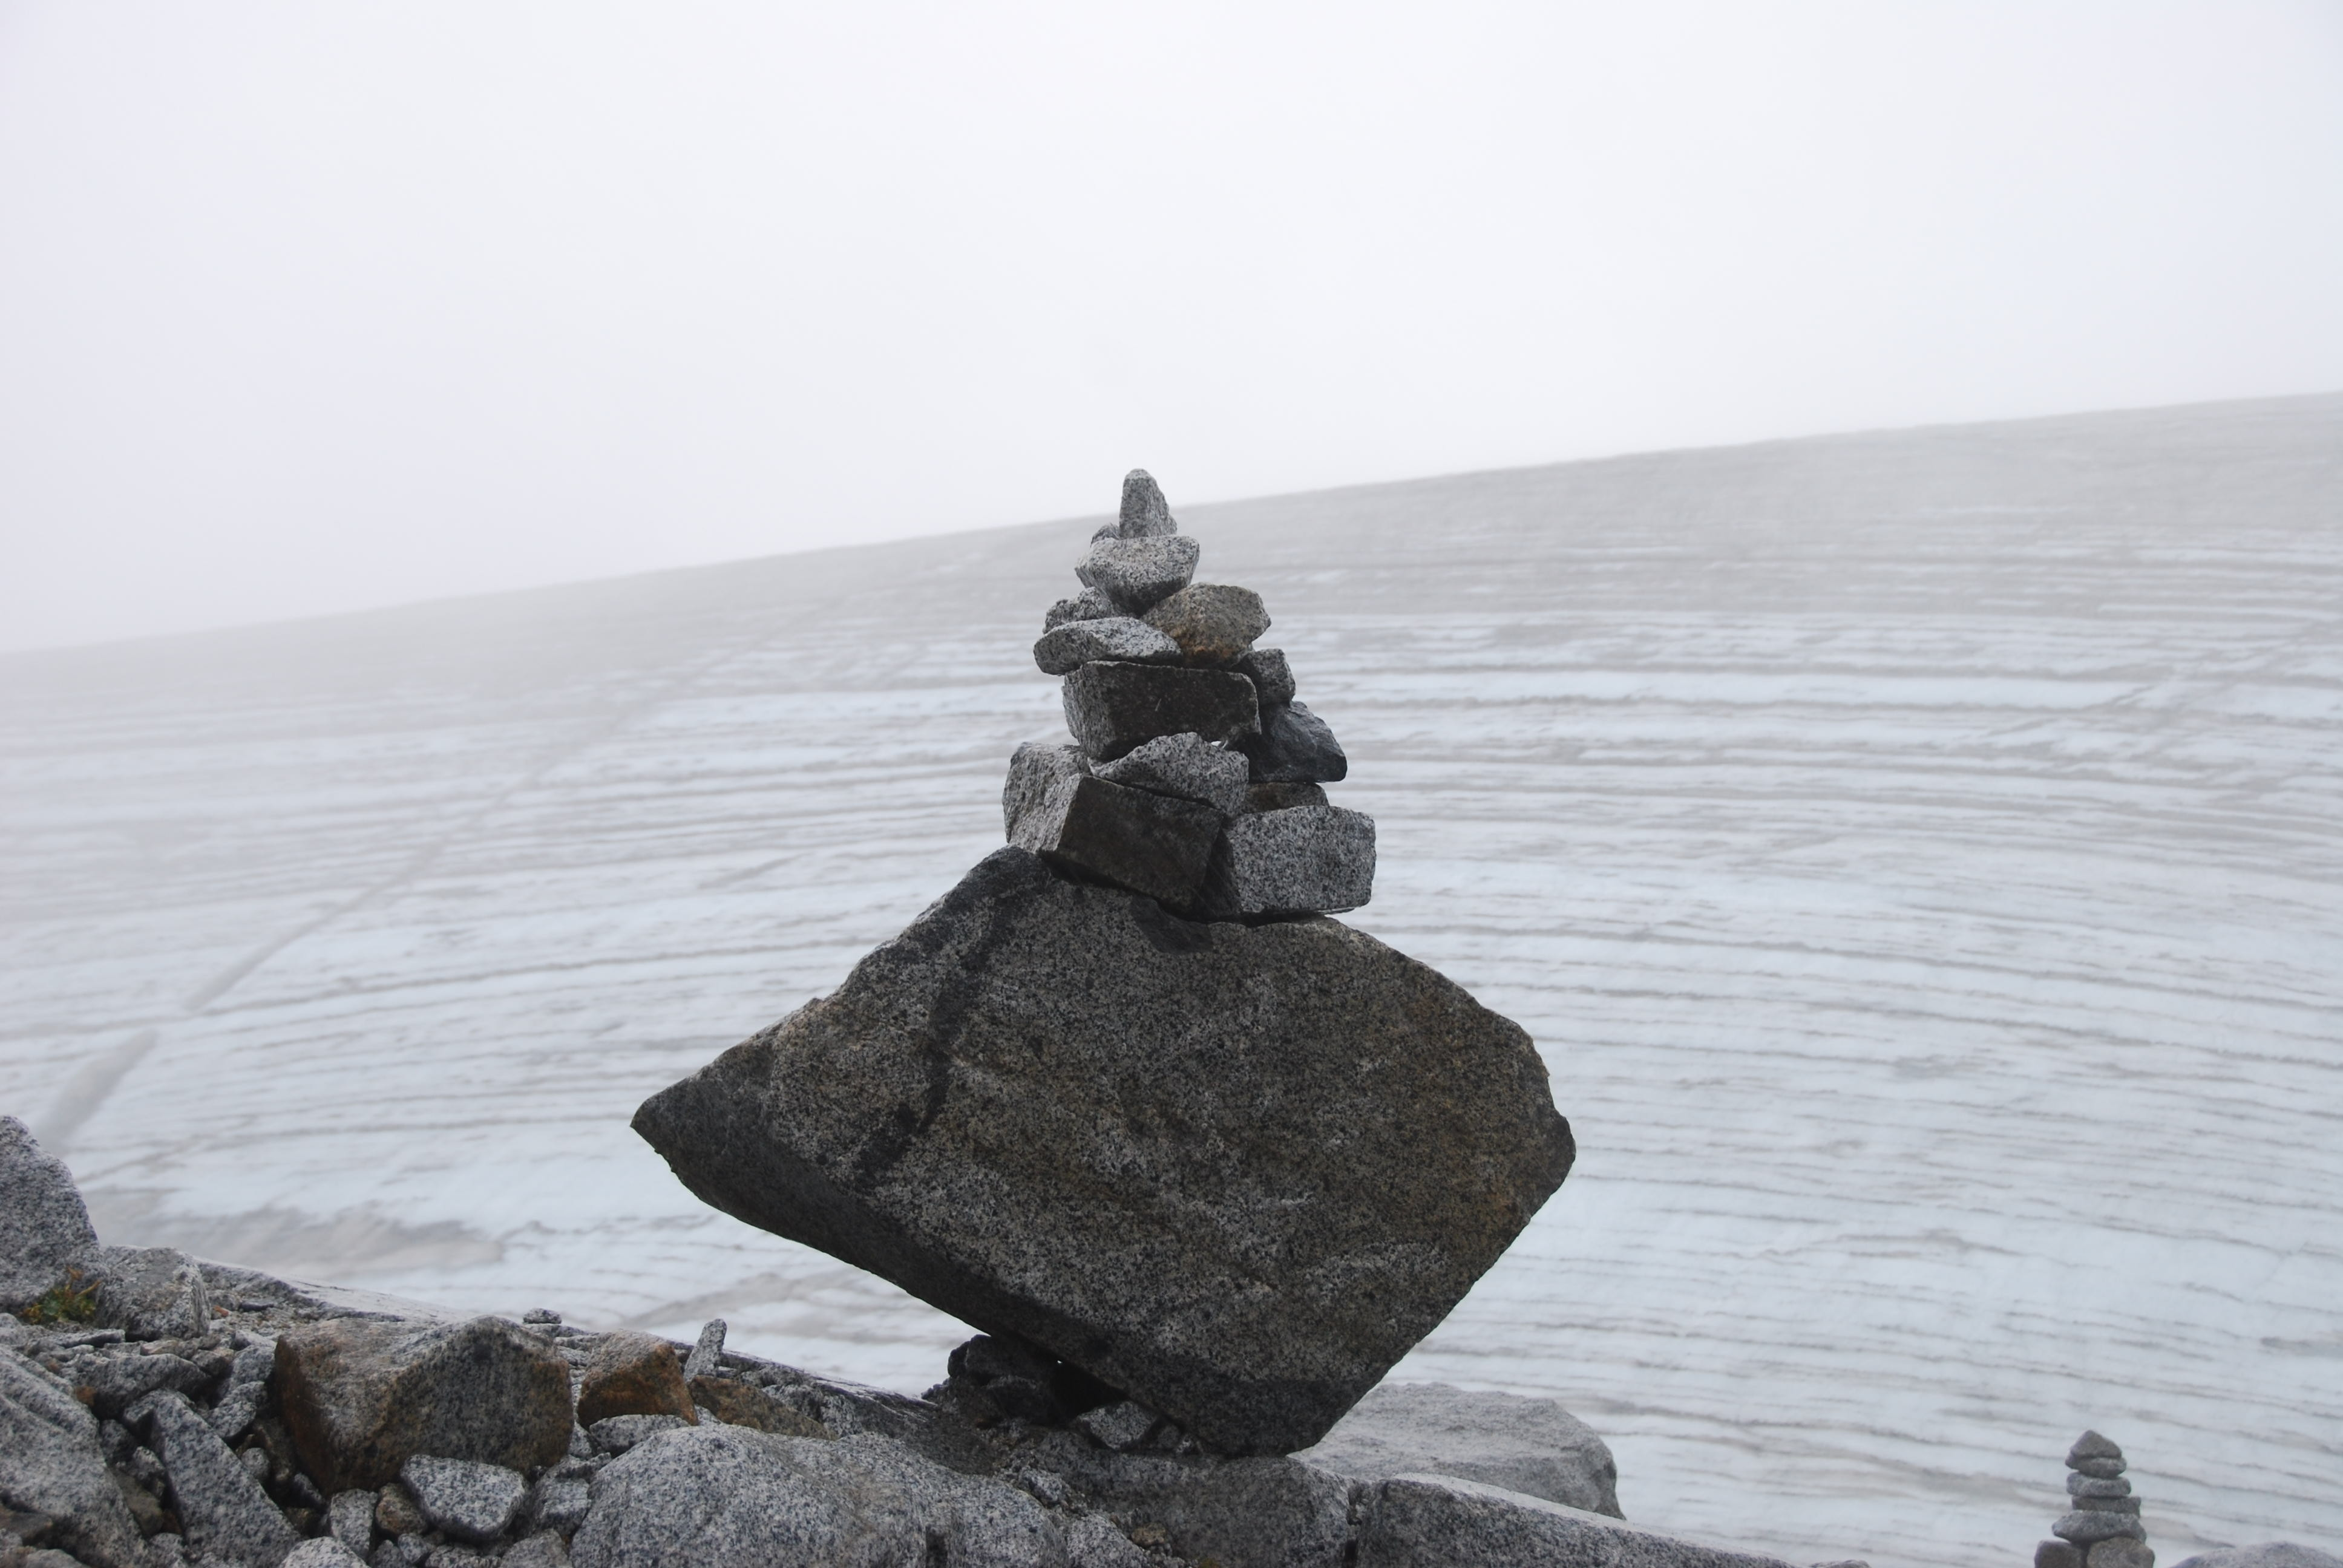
1528, 1445
43, 1229
543, 1550
1295, 746
1145, 514
153, 1293
2085, 1526
2119, 1552
1271, 676
470, 1502
1034, 771
119, 1382
350, 1517
1185, 766
1153, 844
1112, 707
2266, 1554
324, 1551
1212, 623
50, 1464
1091, 604
1137, 574
633, 1374
618, 1433
223, 1511
707, 1357
737, 1403
1262, 795
1234, 1170
722, 1497
1259, 1513
1067, 647
1301, 858
1093, 1543
1439, 1522
361, 1397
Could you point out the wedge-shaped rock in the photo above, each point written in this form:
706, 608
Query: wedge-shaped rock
1113, 708
633, 1374
1137, 574
226, 1515
1070, 647
1438, 1522
1212, 623
363, 1396
1146, 514
1528, 1445
1091, 604
1158, 845
1182, 765
45, 1231
50, 1464
1270, 675
1300, 859
1295, 746
1234, 1171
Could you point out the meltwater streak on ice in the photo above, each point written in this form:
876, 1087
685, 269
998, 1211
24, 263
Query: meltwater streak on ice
1919, 855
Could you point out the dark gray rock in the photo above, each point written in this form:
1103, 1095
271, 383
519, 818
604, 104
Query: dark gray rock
723, 1497
1153, 844
1271, 676
1438, 1522
468, 1501
1121, 1426
1262, 795
1067, 647
707, 1357
361, 1396
1139, 574
1233, 1171
2081, 1485
2085, 1526
1296, 861
1113, 708
1295, 746
1092, 1541
2091, 1445
222, 1512
739, 1403
45, 1231
618, 1433
2119, 1552
51, 1463
324, 1551
1146, 514
153, 1293
1091, 604
1528, 1445
1212, 623
1183, 765
2058, 1555
1258, 1513
2264, 1554
2105, 1469
632, 1373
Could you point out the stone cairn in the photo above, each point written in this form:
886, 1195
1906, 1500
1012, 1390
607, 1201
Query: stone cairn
1196, 779
2102, 1530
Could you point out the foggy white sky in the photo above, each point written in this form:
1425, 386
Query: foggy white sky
315, 305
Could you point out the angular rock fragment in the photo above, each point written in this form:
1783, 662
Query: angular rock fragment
1423, 1521
1151, 844
707, 1357
561, 1503
1300, 859
51, 1464
1092, 1541
1079, 642
1258, 1513
1034, 772
223, 1511
1211, 623
543, 1550
45, 1231
1270, 675
1113, 708
349, 1517
1295, 746
633, 1374
1233, 1171
1526, 1445
324, 1551
1185, 766
361, 1397
1139, 574
119, 1382
1121, 1426
1145, 514
737, 1403
153, 1293
470, 1502
1091, 604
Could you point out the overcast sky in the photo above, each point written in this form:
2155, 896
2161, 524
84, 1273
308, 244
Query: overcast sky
316, 305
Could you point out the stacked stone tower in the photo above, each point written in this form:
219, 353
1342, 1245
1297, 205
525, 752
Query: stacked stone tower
2102, 1528
1196, 777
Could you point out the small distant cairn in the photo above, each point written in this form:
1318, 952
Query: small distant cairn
2102, 1528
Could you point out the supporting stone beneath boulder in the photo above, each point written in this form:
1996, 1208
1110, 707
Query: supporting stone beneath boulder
1153, 844
1300, 859
1112, 707
1528, 1445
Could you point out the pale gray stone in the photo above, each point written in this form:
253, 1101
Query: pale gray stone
1067, 647
51, 1463
560, 1501
1526, 1445
618, 1433
153, 1293
349, 1516
1121, 1425
1094, 1542
543, 1550
1294, 745
1139, 574
2085, 1525
470, 1501
707, 1357
1091, 604
45, 1231
1259, 1513
1186, 766
1212, 623
2119, 1552
1153, 844
1145, 514
1296, 861
239, 1406
1270, 675
362, 1396
117, 1382
1108, 1160
1112, 707
222, 1510
2263, 1554
1439, 1522
324, 1551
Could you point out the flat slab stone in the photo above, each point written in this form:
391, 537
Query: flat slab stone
1300, 860
1440, 1521
1528, 1445
1158, 845
1091, 604
1211, 623
1067, 647
1234, 1171
1137, 574
1184, 766
1113, 708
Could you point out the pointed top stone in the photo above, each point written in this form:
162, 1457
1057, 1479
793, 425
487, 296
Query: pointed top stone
1145, 513
2091, 1445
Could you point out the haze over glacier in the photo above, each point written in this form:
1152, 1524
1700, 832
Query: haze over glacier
1918, 855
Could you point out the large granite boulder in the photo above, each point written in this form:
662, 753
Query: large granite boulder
45, 1231
1439, 1522
1532, 1446
1233, 1170
51, 1464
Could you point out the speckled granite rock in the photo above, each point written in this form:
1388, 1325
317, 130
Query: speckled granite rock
1212, 623
1271, 676
153, 1293
1294, 745
1148, 1145
1139, 574
1145, 514
50, 1464
1295, 861
45, 1231
1185, 766
1532, 1446
1153, 844
633, 1374
1113, 708
1066, 648
1440, 1521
